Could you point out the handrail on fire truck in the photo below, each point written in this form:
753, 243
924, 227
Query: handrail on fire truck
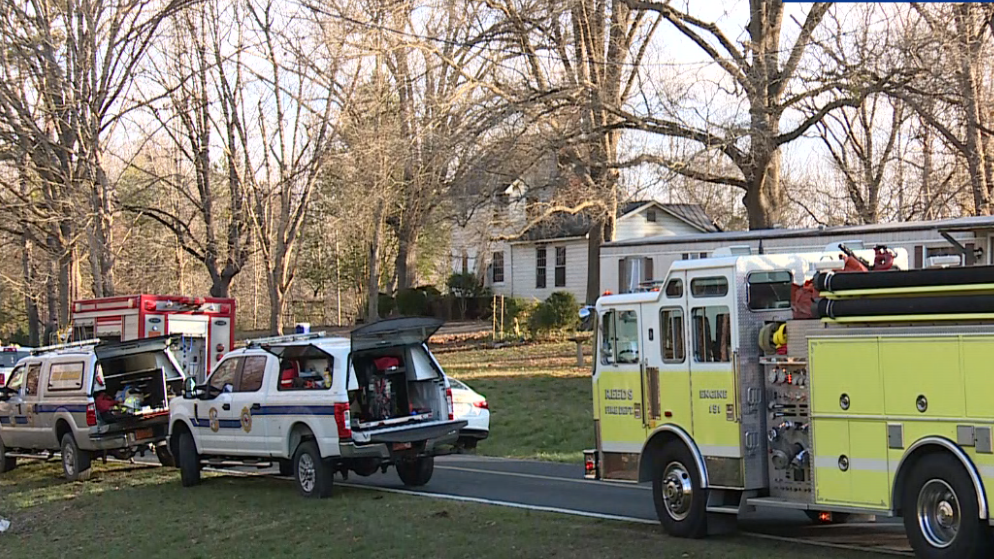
54, 347
281, 339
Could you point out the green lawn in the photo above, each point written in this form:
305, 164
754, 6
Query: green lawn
540, 402
143, 512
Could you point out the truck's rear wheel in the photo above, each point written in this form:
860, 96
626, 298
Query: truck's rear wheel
189, 460
681, 502
6, 464
75, 462
416, 472
315, 477
941, 514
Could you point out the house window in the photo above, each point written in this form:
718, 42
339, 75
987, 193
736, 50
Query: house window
560, 266
650, 215
498, 267
540, 268
634, 274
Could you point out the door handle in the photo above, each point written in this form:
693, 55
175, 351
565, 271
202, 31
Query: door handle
225, 407
256, 407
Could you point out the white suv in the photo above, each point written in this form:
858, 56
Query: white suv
316, 405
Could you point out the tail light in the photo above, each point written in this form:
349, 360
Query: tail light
343, 418
448, 401
91, 415
3, 380
483, 405
590, 464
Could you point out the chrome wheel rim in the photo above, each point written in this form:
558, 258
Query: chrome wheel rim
939, 514
305, 473
68, 459
678, 492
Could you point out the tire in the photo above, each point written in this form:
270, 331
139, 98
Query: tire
189, 460
416, 472
941, 514
286, 468
314, 476
681, 503
75, 462
165, 457
837, 517
6, 464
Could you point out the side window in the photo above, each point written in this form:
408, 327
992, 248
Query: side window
671, 335
607, 338
224, 374
709, 287
16, 380
31, 380
252, 373
712, 334
769, 290
627, 337
305, 374
65, 376
674, 289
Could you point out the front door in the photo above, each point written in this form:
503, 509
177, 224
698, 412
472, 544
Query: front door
34, 433
13, 422
619, 380
710, 301
667, 370
215, 419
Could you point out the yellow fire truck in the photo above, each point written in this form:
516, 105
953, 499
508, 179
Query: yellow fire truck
710, 388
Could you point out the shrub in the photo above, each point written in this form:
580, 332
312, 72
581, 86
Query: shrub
558, 313
516, 313
418, 301
386, 305
465, 286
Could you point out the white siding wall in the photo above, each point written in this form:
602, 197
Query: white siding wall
524, 256
635, 226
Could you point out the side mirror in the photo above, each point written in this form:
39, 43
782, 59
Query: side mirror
6, 393
585, 312
189, 387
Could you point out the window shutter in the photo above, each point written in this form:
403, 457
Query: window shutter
970, 258
918, 260
647, 269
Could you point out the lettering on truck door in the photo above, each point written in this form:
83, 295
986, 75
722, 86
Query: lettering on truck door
712, 337
620, 381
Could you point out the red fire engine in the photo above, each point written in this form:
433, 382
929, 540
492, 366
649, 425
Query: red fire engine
206, 325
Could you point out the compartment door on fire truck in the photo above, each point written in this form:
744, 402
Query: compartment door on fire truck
667, 368
710, 300
620, 380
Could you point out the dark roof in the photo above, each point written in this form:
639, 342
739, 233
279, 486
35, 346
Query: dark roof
564, 225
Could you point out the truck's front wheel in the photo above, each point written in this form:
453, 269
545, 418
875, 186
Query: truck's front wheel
165, 457
941, 514
416, 472
315, 477
75, 462
189, 460
681, 502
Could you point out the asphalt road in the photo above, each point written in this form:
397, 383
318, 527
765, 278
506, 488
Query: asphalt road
561, 487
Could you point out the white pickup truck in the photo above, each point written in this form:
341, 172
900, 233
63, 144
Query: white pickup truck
318, 405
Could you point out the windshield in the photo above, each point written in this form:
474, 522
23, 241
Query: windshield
10, 358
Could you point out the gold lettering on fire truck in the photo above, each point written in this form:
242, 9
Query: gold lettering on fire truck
621, 394
714, 394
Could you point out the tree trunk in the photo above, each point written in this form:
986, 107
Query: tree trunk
407, 257
277, 300
30, 303
968, 85
53, 291
594, 240
373, 281
762, 200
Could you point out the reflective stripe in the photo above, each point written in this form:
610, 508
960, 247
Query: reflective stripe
858, 464
721, 451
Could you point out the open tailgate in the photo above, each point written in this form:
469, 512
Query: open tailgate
410, 433
401, 331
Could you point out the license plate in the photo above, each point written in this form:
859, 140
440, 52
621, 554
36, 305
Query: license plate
143, 434
401, 446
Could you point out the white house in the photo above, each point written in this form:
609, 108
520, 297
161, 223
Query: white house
553, 255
